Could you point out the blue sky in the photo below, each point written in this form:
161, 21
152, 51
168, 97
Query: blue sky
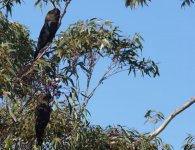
169, 36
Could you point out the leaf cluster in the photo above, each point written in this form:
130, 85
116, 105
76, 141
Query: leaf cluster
189, 142
153, 116
8, 4
135, 3
187, 2
16, 50
67, 131
96, 38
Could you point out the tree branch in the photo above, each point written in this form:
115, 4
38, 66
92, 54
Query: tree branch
29, 67
167, 121
64, 12
3, 5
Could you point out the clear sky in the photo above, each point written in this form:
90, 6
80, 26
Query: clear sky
169, 33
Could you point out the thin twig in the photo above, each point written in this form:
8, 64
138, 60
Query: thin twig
4, 5
64, 12
29, 67
89, 75
104, 77
167, 121
77, 84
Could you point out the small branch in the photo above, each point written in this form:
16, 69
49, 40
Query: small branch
4, 4
167, 121
28, 69
89, 75
87, 89
104, 77
64, 12
77, 84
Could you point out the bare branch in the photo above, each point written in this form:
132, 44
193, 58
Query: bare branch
109, 73
64, 12
167, 121
104, 77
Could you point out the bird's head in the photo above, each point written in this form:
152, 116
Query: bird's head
53, 15
47, 98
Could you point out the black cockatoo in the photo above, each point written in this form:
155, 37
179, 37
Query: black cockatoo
48, 30
42, 116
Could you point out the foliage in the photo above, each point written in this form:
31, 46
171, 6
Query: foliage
189, 142
187, 2
16, 50
67, 131
101, 39
8, 4
53, 2
134, 3
153, 116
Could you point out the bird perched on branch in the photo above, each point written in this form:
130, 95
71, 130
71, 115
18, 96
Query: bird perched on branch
42, 114
48, 30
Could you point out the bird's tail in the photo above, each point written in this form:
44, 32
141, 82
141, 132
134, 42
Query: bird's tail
39, 136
